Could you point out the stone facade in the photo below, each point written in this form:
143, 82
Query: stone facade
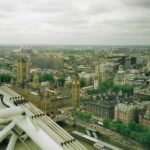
144, 117
75, 91
102, 106
125, 112
49, 103
22, 70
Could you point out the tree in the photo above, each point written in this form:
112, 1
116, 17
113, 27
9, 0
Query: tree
82, 82
118, 125
87, 116
5, 77
6, 66
84, 116
124, 130
132, 129
106, 85
61, 81
106, 122
72, 59
132, 125
143, 138
90, 92
84, 101
47, 77
139, 128
119, 121
124, 88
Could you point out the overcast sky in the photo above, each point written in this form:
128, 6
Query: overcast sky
99, 22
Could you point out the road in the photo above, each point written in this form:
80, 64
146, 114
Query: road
112, 135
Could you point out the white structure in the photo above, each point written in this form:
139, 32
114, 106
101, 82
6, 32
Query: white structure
96, 83
120, 76
20, 119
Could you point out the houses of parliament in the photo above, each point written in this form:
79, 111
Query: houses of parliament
46, 99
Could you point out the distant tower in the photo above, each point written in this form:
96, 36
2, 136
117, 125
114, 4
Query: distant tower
148, 63
100, 72
22, 70
75, 90
103, 75
120, 76
36, 82
97, 69
96, 82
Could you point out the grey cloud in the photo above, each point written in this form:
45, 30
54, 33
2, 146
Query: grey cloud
2, 15
49, 7
67, 22
97, 8
138, 3
74, 21
7, 7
